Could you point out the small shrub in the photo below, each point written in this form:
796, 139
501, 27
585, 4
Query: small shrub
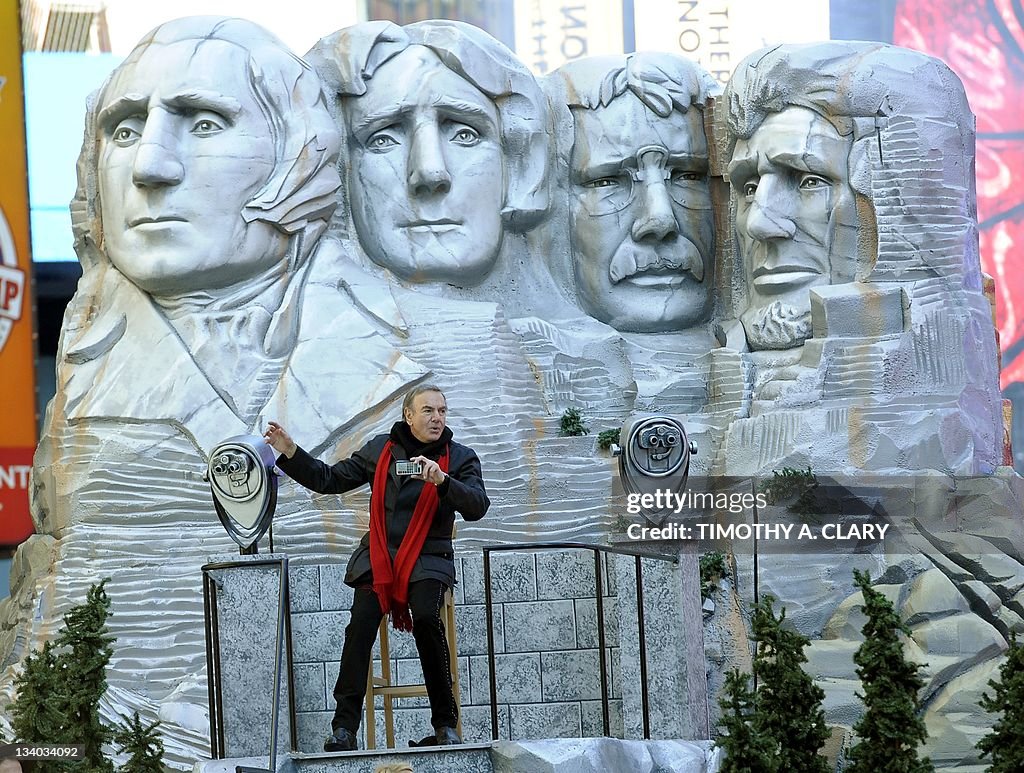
789, 709
891, 728
791, 484
60, 686
571, 424
606, 437
747, 749
780, 728
143, 745
712, 569
621, 523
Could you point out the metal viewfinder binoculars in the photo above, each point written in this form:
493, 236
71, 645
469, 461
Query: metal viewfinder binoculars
244, 484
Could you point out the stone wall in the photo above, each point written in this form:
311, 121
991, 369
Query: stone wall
546, 649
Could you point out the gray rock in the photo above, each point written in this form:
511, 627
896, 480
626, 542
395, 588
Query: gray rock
963, 635
831, 658
982, 560
604, 755
955, 721
981, 595
1011, 620
931, 595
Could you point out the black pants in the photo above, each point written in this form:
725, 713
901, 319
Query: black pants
426, 598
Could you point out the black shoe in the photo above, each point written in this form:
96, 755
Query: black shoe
446, 736
341, 740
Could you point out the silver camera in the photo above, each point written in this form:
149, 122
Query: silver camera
403, 467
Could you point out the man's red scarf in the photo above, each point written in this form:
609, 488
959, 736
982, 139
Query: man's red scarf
391, 582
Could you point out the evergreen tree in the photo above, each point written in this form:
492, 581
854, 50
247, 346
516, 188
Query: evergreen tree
781, 727
747, 749
36, 715
1005, 744
86, 650
59, 690
788, 701
143, 745
891, 728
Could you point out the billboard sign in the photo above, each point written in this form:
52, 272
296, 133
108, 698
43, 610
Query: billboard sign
17, 343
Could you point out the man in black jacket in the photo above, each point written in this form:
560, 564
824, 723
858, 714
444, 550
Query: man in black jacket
404, 564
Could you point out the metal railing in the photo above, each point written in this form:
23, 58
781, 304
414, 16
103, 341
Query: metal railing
598, 576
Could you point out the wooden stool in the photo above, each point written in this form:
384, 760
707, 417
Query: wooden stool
381, 685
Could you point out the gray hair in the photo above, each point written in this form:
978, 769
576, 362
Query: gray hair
300, 195
415, 392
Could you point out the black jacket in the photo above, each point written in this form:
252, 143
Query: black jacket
463, 492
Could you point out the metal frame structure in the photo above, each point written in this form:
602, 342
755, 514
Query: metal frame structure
598, 575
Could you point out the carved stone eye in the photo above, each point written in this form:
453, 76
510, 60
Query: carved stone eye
466, 136
811, 182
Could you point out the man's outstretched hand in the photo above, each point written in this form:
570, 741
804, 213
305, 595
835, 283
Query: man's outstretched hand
278, 438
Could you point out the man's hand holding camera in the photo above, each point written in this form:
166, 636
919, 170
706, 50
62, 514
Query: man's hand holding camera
429, 470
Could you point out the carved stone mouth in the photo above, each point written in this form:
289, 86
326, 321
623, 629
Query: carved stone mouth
150, 220
660, 272
784, 277
433, 226
661, 278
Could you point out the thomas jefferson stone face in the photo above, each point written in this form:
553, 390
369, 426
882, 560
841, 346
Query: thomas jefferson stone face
184, 146
796, 221
427, 177
640, 216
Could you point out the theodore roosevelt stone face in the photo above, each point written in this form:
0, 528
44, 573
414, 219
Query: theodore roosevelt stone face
640, 215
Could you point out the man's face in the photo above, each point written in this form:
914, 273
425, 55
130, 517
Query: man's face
640, 216
183, 147
427, 416
427, 181
796, 220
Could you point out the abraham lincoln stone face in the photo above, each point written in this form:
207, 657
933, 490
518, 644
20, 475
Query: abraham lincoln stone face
796, 220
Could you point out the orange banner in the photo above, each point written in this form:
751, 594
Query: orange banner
17, 344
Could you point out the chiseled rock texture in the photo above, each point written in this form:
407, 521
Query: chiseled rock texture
960, 595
